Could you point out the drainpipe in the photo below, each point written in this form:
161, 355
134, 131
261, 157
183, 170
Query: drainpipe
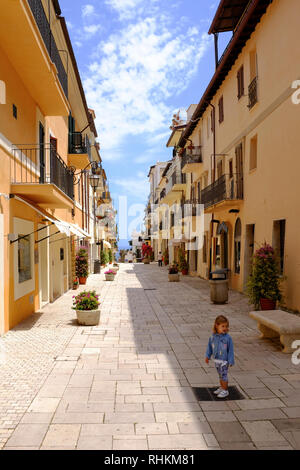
214, 179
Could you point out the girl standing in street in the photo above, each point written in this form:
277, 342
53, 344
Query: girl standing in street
220, 346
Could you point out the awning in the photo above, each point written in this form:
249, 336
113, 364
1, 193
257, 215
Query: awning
63, 227
107, 244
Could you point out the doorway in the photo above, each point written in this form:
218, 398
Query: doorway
249, 251
43, 267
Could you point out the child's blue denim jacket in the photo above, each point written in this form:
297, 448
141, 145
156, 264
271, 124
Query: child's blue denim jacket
221, 347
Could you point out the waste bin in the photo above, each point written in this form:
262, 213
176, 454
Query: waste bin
97, 266
219, 286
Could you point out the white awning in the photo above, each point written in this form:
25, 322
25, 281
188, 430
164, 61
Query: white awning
106, 244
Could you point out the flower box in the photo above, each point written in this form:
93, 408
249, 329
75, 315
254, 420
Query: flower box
174, 277
86, 304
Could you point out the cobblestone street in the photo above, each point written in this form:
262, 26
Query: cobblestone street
126, 384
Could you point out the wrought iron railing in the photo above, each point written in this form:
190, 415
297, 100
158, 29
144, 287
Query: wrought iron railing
77, 143
163, 194
193, 155
227, 187
42, 165
252, 93
42, 22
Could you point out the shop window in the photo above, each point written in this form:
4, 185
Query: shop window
279, 229
24, 259
237, 246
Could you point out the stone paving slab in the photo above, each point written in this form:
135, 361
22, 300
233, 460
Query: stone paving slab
127, 383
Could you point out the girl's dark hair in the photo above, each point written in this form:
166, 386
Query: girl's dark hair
218, 321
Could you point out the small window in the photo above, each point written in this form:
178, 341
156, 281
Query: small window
24, 259
253, 154
237, 246
279, 229
221, 109
240, 82
15, 111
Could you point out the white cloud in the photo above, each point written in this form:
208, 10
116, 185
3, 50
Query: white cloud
88, 10
92, 29
134, 72
125, 8
137, 187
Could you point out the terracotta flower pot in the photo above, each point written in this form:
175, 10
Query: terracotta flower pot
267, 304
146, 261
184, 272
82, 281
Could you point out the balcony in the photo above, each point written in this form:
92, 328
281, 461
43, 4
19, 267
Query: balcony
27, 40
191, 159
79, 155
176, 182
222, 192
105, 197
252, 93
40, 175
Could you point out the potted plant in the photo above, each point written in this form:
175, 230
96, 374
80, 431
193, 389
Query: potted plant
75, 284
263, 287
147, 252
110, 256
103, 258
87, 309
173, 273
82, 266
110, 275
166, 258
183, 265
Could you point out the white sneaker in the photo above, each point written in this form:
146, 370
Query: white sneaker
223, 394
219, 390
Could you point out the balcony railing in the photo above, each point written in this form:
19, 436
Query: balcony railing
49, 41
193, 155
163, 194
228, 187
252, 93
42, 165
79, 144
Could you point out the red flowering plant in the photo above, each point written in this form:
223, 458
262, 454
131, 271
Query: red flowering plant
110, 271
82, 265
264, 281
87, 300
146, 251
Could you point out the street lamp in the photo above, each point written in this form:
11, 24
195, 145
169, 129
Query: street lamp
94, 181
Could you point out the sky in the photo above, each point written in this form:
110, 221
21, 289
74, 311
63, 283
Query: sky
140, 61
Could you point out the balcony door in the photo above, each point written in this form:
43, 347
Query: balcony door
239, 172
42, 152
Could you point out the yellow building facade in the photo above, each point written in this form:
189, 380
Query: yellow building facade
47, 137
246, 126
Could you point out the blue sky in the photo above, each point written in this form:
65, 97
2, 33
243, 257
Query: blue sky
140, 61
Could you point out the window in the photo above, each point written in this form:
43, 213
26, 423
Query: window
279, 229
212, 120
204, 250
2, 92
221, 109
24, 259
253, 65
15, 111
253, 154
237, 246
230, 169
240, 82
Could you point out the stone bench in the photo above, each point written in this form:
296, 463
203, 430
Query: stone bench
277, 323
